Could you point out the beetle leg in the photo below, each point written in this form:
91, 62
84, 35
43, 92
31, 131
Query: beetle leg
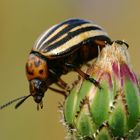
88, 78
59, 91
84, 75
62, 84
62, 92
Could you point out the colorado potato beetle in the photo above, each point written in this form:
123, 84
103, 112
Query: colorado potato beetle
62, 48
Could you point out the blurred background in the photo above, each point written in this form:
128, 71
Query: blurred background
21, 22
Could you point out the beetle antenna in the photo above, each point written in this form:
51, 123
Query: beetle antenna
20, 102
12, 101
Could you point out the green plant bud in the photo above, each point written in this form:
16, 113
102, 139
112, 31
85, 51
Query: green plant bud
111, 112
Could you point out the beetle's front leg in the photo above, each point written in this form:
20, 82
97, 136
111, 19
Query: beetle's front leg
84, 75
62, 84
59, 82
59, 91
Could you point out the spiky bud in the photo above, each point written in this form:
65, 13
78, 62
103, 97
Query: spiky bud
109, 113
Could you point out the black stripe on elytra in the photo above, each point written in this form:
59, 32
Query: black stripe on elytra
65, 30
77, 46
70, 21
70, 36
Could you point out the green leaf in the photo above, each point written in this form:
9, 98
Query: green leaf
118, 120
133, 103
100, 104
84, 90
73, 101
134, 134
84, 123
70, 107
104, 134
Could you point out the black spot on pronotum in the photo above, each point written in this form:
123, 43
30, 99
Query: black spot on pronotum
30, 72
41, 71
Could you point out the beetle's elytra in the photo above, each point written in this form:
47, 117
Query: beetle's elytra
62, 48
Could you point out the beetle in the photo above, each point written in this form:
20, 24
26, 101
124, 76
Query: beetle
62, 48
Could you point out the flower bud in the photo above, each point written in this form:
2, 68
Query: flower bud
109, 112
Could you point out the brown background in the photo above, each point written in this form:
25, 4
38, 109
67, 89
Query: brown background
21, 21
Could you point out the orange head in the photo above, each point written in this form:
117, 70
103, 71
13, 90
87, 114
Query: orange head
36, 67
37, 75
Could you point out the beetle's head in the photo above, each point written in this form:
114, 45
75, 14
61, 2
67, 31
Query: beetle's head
37, 75
37, 90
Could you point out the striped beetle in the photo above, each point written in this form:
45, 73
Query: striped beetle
62, 48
